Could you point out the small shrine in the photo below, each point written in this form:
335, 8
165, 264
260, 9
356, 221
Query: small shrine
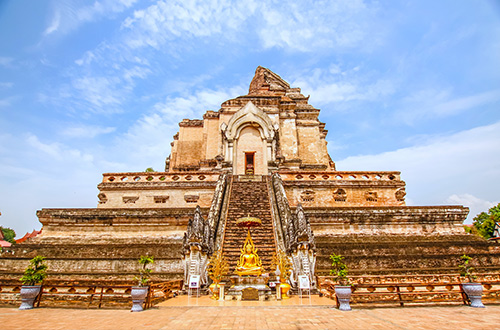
250, 282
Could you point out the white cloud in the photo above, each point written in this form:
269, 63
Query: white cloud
332, 85
70, 15
6, 61
6, 85
309, 26
476, 205
102, 93
435, 103
465, 163
6, 102
305, 26
153, 132
167, 20
57, 150
54, 25
135, 72
86, 131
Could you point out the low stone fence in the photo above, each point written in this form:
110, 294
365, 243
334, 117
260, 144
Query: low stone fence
159, 292
407, 290
89, 296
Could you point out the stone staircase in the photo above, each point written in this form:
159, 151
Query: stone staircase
249, 198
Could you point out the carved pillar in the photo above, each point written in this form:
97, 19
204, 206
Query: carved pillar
303, 247
196, 247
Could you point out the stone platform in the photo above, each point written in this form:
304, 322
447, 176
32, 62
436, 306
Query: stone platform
242, 288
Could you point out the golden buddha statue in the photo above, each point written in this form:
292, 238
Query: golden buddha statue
249, 263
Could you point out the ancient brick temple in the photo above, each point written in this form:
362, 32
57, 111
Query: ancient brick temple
263, 155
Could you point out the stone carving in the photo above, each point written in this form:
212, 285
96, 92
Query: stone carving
298, 237
130, 199
161, 199
340, 195
191, 198
282, 213
102, 198
197, 245
214, 215
371, 196
400, 195
307, 196
302, 247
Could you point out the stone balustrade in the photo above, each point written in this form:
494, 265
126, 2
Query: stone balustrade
132, 177
340, 175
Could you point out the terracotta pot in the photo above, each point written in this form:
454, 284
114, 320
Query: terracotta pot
343, 294
28, 295
474, 291
214, 288
138, 294
285, 287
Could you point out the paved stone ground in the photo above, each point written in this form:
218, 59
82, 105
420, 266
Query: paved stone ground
248, 317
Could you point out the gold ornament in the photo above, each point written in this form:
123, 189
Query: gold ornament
282, 262
217, 269
249, 263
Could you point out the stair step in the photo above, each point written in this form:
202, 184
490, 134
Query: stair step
249, 199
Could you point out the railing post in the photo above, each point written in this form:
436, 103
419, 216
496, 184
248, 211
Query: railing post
399, 295
91, 296
39, 297
100, 298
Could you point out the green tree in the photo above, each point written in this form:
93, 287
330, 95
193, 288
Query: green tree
144, 271
149, 169
484, 223
36, 271
339, 269
9, 234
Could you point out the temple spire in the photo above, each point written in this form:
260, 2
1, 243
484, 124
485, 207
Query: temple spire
266, 82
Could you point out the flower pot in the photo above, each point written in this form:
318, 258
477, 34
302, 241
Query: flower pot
343, 294
474, 291
28, 295
214, 288
138, 294
284, 287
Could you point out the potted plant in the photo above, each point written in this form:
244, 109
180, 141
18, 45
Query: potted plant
343, 290
473, 290
282, 262
32, 280
140, 291
217, 269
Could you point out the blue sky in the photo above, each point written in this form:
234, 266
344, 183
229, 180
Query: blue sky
88, 87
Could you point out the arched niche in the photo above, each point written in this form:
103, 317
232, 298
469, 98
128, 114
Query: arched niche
249, 130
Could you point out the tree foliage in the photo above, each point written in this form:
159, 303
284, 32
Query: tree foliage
9, 234
144, 271
149, 169
339, 269
36, 271
484, 223
466, 270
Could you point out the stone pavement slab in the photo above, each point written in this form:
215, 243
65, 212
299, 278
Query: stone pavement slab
248, 317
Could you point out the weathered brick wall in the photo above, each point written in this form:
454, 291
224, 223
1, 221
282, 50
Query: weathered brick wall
340, 188
405, 254
107, 260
